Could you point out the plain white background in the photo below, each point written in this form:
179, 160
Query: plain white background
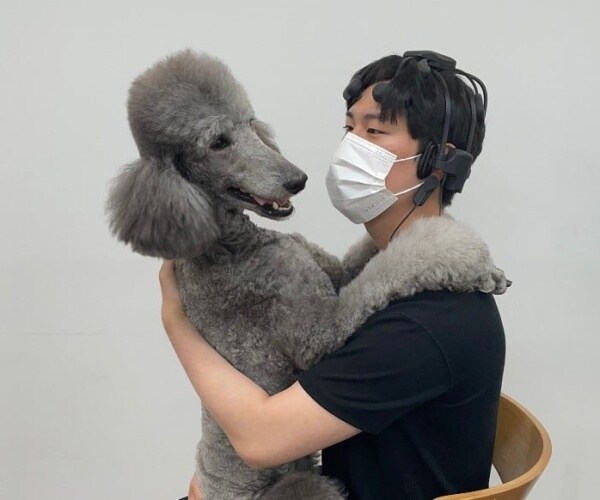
93, 403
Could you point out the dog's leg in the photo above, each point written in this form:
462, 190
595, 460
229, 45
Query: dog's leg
341, 273
305, 486
330, 264
357, 257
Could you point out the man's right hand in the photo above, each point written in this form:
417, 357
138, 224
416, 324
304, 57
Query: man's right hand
194, 492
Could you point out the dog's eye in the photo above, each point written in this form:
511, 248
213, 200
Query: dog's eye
220, 143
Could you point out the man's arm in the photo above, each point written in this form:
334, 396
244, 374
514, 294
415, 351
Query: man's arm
264, 430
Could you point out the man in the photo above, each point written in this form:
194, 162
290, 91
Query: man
407, 408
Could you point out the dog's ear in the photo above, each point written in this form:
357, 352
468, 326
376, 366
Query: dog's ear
265, 133
153, 208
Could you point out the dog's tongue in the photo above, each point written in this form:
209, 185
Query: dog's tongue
260, 201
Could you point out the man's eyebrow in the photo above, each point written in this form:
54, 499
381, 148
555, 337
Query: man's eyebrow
366, 116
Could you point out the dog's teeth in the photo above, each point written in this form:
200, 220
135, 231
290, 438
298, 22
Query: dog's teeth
275, 205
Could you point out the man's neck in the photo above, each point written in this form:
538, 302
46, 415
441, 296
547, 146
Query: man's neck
382, 227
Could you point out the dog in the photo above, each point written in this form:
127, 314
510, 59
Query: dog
272, 304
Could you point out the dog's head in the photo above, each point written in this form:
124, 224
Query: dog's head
200, 145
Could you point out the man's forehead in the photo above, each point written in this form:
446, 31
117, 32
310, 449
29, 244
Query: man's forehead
366, 114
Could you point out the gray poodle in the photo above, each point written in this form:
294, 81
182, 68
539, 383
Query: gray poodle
271, 303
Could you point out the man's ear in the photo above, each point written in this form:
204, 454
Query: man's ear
438, 172
153, 208
265, 133
448, 147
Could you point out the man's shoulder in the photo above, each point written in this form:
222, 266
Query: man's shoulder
437, 310
435, 300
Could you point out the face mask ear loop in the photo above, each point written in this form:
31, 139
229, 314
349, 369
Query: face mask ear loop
408, 158
409, 189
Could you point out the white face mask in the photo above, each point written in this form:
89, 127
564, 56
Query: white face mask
356, 179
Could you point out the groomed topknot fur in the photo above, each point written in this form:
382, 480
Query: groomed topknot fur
167, 102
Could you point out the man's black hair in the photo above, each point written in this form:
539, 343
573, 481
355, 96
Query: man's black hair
418, 97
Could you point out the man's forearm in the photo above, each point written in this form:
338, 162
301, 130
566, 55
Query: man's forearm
266, 431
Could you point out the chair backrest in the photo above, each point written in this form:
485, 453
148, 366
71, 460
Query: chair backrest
521, 453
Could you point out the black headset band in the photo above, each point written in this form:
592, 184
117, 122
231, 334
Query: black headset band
447, 111
474, 81
436, 63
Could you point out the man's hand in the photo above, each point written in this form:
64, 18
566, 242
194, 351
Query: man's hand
172, 308
194, 492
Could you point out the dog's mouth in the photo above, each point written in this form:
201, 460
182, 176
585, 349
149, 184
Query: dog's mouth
269, 208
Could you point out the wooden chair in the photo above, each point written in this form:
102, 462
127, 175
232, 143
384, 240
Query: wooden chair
521, 453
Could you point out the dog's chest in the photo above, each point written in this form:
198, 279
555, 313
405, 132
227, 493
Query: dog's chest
237, 306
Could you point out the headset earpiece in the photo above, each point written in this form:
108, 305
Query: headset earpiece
427, 160
456, 166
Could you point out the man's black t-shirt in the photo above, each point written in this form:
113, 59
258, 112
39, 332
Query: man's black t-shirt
422, 378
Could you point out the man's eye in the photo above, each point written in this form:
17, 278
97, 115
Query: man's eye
348, 128
374, 131
221, 142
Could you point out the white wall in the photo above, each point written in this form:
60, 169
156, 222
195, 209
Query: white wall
93, 402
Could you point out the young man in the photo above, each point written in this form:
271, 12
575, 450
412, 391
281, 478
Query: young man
407, 408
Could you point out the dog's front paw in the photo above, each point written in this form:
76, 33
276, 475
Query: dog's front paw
501, 283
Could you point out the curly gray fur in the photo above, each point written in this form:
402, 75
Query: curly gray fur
177, 218
271, 304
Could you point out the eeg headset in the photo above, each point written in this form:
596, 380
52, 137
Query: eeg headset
456, 163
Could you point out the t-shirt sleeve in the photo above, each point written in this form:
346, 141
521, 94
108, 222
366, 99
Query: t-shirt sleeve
389, 366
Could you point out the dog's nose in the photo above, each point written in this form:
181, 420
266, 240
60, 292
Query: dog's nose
296, 185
